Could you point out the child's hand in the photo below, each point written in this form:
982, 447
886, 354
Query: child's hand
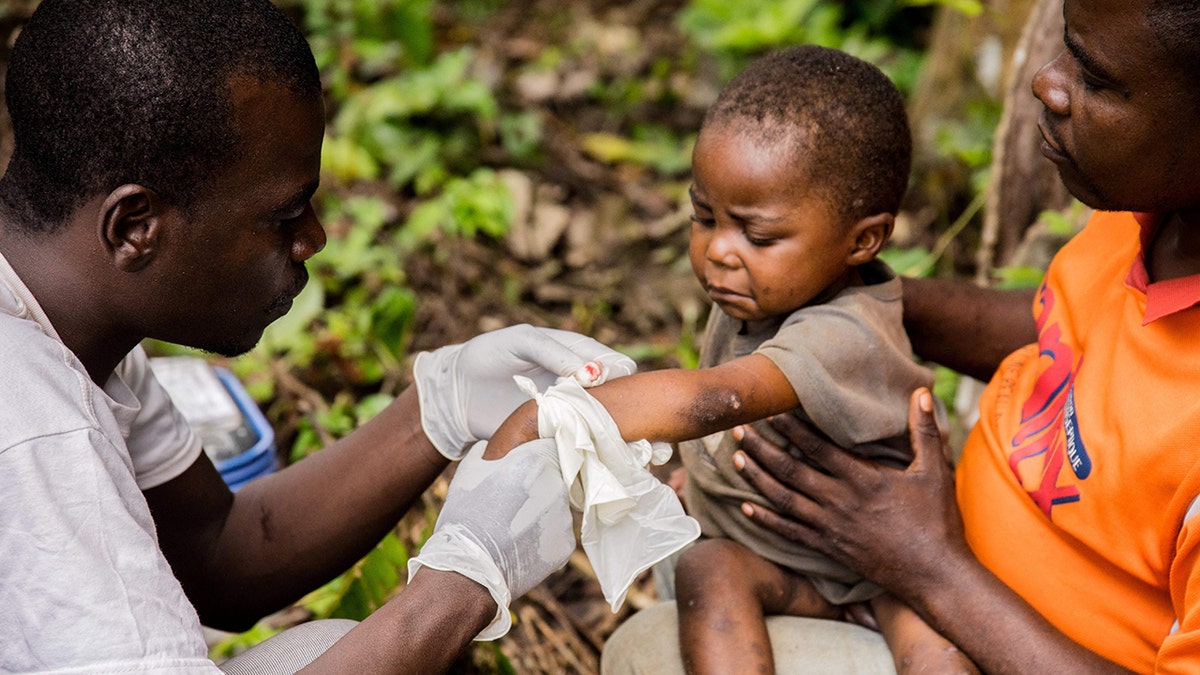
520, 427
860, 613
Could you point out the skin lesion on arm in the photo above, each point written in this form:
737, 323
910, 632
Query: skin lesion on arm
673, 405
715, 399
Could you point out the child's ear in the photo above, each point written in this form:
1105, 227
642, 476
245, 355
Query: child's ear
867, 237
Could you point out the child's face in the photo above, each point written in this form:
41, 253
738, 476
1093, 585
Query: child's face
763, 243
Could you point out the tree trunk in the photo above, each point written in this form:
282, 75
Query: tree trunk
991, 55
1023, 182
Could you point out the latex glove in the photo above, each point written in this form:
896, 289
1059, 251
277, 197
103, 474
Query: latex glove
506, 524
467, 390
630, 519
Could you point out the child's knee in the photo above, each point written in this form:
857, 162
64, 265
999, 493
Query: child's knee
707, 565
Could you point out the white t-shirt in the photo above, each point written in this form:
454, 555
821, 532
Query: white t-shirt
84, 587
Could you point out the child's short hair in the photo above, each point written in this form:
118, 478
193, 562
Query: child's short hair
844, 118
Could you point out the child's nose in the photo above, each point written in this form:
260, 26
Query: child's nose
722, 250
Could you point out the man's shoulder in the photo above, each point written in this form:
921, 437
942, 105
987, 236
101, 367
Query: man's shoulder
45, 389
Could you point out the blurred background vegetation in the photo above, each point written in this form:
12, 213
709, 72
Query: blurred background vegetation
489, 163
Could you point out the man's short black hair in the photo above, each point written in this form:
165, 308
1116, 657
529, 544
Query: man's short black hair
107, 92
843, 119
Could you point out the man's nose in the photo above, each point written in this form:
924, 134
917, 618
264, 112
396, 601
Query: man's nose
310, 237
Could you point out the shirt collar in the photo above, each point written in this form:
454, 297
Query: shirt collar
17, 300
1163, 298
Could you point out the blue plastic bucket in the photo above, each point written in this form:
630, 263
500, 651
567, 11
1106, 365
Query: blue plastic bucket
259, 460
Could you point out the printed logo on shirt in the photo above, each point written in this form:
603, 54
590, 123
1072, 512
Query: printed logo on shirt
1049, 428
1077, 455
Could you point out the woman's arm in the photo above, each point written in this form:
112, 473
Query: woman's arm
674, 405
965, 327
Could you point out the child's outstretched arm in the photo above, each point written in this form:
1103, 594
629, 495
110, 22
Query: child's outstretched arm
673, 405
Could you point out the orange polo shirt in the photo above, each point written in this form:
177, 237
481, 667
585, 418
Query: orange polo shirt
1079, 484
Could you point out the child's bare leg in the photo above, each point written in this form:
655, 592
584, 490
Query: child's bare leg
917, 647
723, 591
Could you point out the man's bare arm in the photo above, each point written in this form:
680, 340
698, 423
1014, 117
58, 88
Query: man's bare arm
422, 630
965, 327
240, 557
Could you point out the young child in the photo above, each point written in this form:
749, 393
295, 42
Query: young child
798, 172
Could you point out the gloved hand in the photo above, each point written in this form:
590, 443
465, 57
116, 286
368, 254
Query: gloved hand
467, 390
506, 524
630, 520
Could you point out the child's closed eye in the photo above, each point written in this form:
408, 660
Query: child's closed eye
760, 242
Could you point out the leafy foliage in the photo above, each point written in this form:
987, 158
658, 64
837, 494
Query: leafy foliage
369, 584
736, 32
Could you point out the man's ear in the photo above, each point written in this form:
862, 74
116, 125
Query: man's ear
867, 237
131, 226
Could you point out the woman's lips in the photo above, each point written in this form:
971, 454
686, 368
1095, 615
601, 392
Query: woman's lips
1052, 150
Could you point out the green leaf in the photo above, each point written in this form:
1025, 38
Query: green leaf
394, 550
307, 442
1057, 223
354, 603
235, 644
1018, 276
970, 8
945, 385
347, 161
391, 318
909, 262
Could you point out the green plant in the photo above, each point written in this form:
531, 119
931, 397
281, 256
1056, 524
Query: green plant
736, 32
235, 644
970, 140
478, 203
650, 145
328, 422
918, 262
365, 587
356, 40
967, 7
422, 126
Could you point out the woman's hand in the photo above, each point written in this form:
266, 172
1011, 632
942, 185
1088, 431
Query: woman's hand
898, 528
